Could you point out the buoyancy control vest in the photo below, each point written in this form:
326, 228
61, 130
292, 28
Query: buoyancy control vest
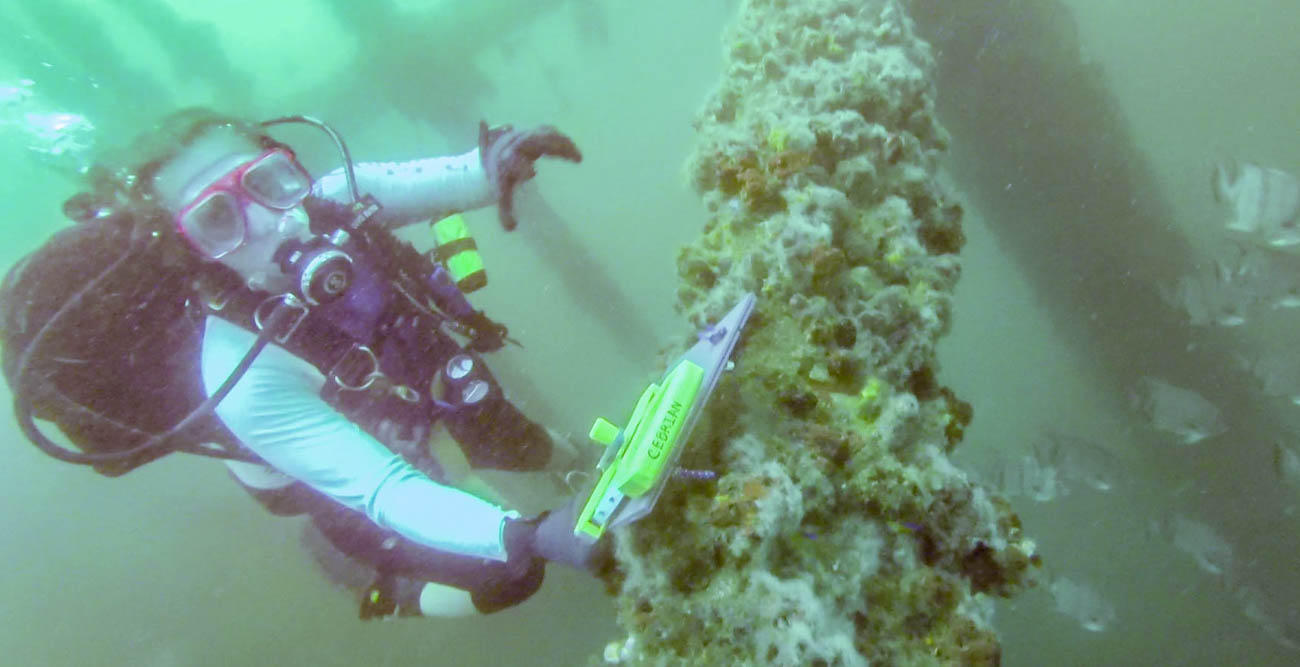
119, 363
384, 345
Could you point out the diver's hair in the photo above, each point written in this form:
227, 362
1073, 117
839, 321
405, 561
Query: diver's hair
121, 183
177, 131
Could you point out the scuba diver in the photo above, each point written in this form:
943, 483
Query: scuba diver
214, 298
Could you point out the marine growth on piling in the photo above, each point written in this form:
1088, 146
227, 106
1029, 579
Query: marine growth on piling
837, 532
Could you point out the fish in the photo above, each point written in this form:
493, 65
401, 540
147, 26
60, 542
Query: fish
1278, 374
1280, 621
1286, 463
1180, 412
1209, 299
1211, 552
1264, 203
1082, 603
1277, 287
1024, 476
1080, 461
1272, 278
1236, 286
1277, 278
1057, 465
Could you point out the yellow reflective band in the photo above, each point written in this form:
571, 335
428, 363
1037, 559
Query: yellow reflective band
458, 253
449, 229
466, 268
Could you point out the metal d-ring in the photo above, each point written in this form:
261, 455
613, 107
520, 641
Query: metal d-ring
367, 379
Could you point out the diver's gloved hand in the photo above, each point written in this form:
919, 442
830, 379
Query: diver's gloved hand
508, 155
555, 541
550, 536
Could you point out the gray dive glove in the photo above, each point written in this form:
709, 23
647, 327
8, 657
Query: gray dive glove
508, 156
550, 536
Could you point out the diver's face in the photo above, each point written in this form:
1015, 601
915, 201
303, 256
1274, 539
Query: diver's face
236, 203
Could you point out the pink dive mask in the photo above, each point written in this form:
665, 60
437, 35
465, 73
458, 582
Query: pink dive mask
215, 222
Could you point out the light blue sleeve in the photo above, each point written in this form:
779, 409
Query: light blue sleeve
416, 190
276, 411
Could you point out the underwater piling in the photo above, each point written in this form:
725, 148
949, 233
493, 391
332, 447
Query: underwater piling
836, 532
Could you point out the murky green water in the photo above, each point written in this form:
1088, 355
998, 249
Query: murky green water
173, 565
